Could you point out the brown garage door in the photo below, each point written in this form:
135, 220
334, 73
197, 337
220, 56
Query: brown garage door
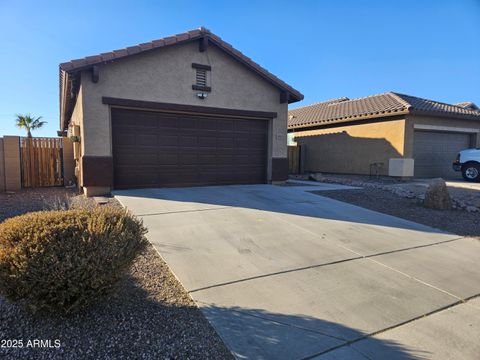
153, 149
434, 153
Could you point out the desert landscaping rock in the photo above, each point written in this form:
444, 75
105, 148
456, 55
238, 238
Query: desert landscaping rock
462, 194
437, 196
454, 221
150, 316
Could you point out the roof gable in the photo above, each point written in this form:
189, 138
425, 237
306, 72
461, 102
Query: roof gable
69, 69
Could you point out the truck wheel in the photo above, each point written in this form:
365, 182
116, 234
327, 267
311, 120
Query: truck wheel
471, 172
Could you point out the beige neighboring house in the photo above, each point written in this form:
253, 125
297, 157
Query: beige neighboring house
184, 110
390, 134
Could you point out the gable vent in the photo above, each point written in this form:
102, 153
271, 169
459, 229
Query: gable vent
201, 77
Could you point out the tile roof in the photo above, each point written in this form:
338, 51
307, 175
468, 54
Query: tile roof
468, 105
74, 66
382, 105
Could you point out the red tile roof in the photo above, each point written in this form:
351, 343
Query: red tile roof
74, 66
382, 105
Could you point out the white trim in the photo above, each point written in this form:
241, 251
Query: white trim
446, 128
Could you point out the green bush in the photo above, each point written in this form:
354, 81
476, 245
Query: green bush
62, 261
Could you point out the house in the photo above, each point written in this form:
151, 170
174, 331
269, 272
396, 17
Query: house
389, 134
184, 110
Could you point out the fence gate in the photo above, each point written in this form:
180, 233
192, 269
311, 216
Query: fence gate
294, 159
41, 162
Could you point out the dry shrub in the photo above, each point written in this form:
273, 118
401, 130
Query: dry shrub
62, 261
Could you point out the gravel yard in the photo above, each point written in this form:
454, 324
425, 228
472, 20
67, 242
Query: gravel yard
464, 195
150, 316
23, 201
455, 221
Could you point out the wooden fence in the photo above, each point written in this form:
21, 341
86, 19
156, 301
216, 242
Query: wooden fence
293, 159
41, 162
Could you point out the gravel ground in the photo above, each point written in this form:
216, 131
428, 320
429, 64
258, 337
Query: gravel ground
464, 195
26, 200
455, 221
149, 316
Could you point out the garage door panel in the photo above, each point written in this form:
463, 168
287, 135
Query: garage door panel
166, 123
210, 141
257, 143
207, 159
225, 142
125, 156
143, 121
225, 159
133, 160
187, 123
168, 177
207, 124
243, 125
225, 125
208, 177
434, 153
188, 159
167, 140
169, 150
188, 141
146, 139
242, 143
126, 139
167, 158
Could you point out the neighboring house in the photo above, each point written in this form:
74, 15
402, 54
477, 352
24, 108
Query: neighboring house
185, 110
360, 136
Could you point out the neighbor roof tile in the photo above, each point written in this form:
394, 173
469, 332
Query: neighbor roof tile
388, 104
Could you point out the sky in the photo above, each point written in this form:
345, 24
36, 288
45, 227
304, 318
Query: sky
325, 48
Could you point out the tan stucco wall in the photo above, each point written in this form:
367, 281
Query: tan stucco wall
167, 76
442, 123
77, 119
68, 162
11, 148
2, 167
351, 149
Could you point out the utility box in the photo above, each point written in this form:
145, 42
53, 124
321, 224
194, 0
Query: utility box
401, 167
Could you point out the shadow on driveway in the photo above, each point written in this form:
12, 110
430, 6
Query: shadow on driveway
251, 335
293, 200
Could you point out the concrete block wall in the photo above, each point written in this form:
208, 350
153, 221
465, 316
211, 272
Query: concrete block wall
2, 167
11, 154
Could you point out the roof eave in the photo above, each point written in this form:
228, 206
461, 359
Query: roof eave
342, 121
445, 114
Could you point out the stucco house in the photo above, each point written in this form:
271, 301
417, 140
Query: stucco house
184, 110
389, 134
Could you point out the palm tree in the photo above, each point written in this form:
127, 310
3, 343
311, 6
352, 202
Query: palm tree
29, 123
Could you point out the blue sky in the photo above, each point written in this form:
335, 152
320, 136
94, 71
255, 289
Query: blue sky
326, 49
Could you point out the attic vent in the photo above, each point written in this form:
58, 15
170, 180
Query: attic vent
201, 77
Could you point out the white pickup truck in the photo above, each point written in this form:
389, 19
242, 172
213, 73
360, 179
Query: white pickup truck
468, 162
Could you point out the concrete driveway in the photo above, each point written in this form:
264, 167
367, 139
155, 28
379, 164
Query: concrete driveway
285, 274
